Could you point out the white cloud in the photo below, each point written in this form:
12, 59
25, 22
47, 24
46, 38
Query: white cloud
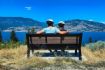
28, 8
90, 20
103, 22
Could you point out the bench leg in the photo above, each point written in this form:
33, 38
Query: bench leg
80, 55
32, 48
50, 50
28, 52
75, 51
32, 51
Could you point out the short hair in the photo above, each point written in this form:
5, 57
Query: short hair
61, 25
50, 23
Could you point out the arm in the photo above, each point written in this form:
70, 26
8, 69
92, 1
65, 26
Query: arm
39, 32
63, 32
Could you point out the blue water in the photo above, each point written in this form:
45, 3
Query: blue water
96, 36
20, 36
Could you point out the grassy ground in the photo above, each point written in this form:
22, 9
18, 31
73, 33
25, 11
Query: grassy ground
15, 59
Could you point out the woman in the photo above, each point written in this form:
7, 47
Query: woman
61, 28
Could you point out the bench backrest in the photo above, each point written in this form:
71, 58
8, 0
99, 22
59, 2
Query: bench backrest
68, 39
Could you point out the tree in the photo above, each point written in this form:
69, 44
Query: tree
33, 30
13, 36
0, 36
90, 39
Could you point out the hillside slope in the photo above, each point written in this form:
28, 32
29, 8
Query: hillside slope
84, 25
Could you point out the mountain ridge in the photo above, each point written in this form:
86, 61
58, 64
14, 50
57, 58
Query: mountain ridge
75, 25
84, 25
7, 22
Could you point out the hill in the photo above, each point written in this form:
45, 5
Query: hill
77, 25
84, 25
12, 22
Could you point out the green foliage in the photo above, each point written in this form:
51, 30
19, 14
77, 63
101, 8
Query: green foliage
96, 46
90, 39
32, 30
13, 36
25, 41
28, 30
10, 44
0, 36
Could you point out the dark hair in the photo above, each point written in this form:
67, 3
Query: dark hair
61, 25
50, 23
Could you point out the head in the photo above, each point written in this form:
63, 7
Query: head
61, 24
50, 22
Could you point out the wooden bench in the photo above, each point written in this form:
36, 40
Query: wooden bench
70, 41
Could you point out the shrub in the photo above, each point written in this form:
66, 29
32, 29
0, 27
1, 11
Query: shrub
96, 46
90, 39
10, 44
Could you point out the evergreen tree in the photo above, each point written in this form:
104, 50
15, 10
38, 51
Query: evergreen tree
95, 40
28, 30
0, 36
13, 36
33, 30
25, 41
90, 39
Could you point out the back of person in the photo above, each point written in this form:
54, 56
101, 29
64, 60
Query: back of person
61, 26
51, 30
62, 29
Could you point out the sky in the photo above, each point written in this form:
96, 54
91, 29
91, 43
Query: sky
41, 10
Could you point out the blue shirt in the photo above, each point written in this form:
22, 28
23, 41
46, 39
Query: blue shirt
51, 30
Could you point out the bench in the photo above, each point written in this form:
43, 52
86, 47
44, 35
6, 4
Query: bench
70, 41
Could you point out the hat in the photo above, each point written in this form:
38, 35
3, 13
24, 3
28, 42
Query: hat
61, 22
50, 20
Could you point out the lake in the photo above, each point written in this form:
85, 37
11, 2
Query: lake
96, 36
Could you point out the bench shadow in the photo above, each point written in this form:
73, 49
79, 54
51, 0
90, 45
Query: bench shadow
57, 54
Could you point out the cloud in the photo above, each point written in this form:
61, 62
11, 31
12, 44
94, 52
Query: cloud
28, 8
103, 22
90, 20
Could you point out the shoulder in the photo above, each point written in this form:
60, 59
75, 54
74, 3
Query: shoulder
55, 27
44, 29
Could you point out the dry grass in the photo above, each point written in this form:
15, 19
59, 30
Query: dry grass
16, 57
14, 53
12, 56
93, 57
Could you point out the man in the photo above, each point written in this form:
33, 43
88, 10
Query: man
51, 29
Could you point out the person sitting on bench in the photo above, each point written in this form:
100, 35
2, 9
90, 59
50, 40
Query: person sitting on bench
61, 28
